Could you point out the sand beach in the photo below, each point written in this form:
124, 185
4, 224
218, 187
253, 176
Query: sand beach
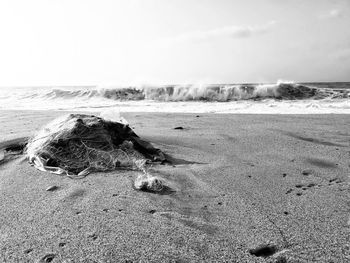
243, 188
174, 131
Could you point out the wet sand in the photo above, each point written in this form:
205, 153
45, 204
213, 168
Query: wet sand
260, 188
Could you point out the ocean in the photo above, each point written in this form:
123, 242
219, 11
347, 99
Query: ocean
275, 98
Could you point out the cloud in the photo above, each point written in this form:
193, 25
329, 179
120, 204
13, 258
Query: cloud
227, 31
331, 14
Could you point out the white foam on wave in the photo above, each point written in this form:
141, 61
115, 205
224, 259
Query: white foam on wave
250, 107
279, 98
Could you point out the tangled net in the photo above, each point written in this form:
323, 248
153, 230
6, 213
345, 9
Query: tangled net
78, 144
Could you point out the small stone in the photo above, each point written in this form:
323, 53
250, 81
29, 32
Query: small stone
47, 258
27, 251
307, 172
93, 236
178, 128
52, 188
145, 182
263, 251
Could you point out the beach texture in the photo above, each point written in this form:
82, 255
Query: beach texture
242, 188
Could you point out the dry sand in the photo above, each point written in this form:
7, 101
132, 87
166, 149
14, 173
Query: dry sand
255, 180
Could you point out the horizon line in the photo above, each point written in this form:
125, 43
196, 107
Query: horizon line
177, 84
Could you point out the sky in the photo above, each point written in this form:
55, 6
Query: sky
116, 42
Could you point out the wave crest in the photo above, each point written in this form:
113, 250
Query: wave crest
215, 93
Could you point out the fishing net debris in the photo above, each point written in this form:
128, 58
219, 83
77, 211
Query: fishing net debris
77, 144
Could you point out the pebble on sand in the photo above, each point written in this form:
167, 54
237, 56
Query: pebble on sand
52, 188
307, 172
149, 183
47, 258
263, 250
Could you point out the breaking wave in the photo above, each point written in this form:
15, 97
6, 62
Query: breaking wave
278, 98
215, 93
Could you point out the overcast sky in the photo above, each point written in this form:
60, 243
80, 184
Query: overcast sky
92, 42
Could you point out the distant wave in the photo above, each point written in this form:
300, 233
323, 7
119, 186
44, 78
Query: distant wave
278, 98
224, 93
210, 93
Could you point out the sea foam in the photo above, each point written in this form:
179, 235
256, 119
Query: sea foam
280, 98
